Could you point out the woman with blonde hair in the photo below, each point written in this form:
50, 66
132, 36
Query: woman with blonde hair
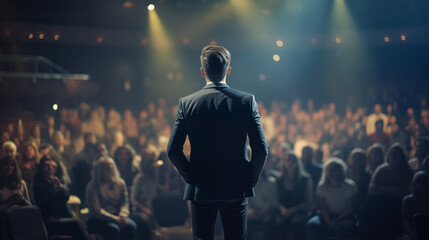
336, 197
107, 200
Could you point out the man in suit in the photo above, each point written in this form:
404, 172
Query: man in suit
219, 176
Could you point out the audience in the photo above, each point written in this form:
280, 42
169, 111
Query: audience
80, 135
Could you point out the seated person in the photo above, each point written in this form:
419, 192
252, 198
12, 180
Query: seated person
380, 214
144, 190
107, 201
51, 194
13, 190
416, 202
336, 196
295, 193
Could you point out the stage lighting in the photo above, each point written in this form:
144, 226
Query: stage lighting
386, 39
403, 37
338, 40
41, 36
128, 4
55, 107
279, 43
151, 7
56, 36
276, 57
99, 39
30, 36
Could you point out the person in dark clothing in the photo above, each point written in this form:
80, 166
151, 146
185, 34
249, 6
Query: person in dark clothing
295, 193
312, 168
358, 173
83, 164
124, 157
51, 195
379, 136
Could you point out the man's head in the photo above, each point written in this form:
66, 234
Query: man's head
307, 155
215, 63
422, 146
377, 108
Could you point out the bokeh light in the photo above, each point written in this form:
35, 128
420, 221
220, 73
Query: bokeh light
276, 57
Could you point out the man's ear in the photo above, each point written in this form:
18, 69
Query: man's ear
202, 72
229, 71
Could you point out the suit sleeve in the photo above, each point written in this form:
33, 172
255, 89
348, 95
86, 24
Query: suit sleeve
175, 145
257, 143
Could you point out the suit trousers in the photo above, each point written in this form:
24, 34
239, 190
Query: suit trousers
233, 214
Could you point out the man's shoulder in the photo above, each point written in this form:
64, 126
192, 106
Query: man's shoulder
232, 92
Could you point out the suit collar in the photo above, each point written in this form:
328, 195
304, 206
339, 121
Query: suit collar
216, 85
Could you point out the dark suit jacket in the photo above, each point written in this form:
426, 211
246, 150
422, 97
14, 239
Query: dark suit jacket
217, 120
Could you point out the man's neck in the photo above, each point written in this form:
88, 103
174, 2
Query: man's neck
210, 82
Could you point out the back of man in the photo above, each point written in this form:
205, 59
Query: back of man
218, 175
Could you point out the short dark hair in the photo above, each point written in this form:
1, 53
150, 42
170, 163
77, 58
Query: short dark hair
215, 61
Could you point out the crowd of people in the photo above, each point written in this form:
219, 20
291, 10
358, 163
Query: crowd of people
360, 175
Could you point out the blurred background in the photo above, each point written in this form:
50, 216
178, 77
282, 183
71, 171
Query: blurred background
326, 50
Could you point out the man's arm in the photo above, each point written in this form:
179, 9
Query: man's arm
175, 145
257, 143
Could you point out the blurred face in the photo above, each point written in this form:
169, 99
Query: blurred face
51, 122
10, 129
389, 108
143, 115
394, 157
333, 173
421, 148
107, 167
7, 167
142, 140
101, 150
5, 137
151, 108
379, 127
45, 151
123, 156
29, 152
307, 155
290, 163
49, 169
9, 151
377, 108
91, 139
58, 140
